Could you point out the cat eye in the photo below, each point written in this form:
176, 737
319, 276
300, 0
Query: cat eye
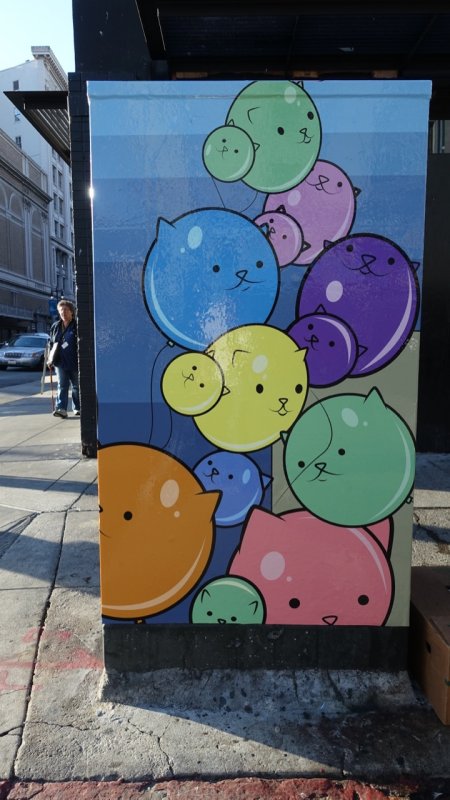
391, 260
280, 131
301, 464
209, 613
194, 367
260, 264
128, 515
259, 388
202, 385
209, 462
331, 343
294, 602
349, 248
310, 326
216, 268
339, 183
341, 451
299, 388
233, 619
284, 236
310, 115
224, 141
363, 599
236, 151
230, 477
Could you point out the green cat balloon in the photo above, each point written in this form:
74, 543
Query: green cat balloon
284, 125
228, 600
228, 153
350, 459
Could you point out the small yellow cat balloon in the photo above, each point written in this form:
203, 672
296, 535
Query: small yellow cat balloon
192, 383
267, 380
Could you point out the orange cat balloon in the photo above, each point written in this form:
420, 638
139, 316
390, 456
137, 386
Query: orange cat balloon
156, 530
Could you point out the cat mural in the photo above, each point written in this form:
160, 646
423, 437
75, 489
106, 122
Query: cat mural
222, 262
156, 530
310, 572
370, 284
350, 459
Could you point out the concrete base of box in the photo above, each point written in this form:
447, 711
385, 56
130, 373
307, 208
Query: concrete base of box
429, 650
141, 648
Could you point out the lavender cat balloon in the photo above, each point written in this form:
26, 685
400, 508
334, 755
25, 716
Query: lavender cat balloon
323, 204
370, 283
284, 234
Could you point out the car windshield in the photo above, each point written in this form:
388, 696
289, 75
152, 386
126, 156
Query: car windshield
28, 341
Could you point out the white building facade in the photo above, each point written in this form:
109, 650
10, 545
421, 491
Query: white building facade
43, 73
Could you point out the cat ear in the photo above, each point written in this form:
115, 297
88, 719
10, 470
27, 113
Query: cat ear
265, 229
210, 353
361, 350
266, 480
356, 191
204, 594
281, 210
415, 265
320, 310
208, 502
254, 605
284, 436
327, 243
256, 146
374, 399
302, 353
225, 390
164, 228
384, 532
231, 122
305, 246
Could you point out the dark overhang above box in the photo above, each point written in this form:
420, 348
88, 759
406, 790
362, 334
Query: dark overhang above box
47, 112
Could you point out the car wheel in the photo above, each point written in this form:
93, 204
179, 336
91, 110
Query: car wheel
3, 366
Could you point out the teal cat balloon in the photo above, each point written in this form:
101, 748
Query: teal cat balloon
350, 459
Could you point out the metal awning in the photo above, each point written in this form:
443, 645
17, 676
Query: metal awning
48, 113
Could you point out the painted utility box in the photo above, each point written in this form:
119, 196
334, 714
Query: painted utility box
258, 256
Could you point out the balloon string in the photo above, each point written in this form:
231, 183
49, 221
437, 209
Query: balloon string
168, 344
217, 190
250, 204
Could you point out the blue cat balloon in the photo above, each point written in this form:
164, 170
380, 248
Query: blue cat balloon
206, 272
238, 478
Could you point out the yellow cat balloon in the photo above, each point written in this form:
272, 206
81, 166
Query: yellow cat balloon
267, 380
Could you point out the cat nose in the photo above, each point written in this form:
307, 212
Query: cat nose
367, 259
314, 339
321, 465
323, 179
283, 400
331, 619
242, 273
221, 621
214, 471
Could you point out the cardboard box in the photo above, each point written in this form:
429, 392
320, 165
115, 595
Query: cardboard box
429, 652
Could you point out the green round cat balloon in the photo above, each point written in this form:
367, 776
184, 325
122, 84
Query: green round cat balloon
350, 459
284, 125
228, 600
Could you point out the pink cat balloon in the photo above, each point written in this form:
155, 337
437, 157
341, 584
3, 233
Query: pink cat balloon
284, 234
311, 572
323, 204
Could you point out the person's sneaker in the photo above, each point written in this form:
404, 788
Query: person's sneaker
76, 413
59, 412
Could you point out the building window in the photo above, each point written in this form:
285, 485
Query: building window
19, 141
54, 173
61, 206
61, 231
60, 180
16, 115
15, 86
56, 228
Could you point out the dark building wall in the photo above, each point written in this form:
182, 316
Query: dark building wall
433, 427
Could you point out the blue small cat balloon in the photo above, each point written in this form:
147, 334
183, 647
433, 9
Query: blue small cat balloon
238, 478
206, 272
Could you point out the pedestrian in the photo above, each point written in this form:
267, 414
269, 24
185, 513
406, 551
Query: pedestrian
63, 334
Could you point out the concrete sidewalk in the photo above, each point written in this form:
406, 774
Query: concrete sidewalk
172, 734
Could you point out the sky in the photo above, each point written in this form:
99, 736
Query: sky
27, 23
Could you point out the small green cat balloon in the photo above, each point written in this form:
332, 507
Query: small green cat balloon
350, 459
228, 600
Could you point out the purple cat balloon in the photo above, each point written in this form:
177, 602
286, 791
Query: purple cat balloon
371, 285
323, 204
332, 347
284, 234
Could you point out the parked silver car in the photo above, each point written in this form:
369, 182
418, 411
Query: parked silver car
24, 350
